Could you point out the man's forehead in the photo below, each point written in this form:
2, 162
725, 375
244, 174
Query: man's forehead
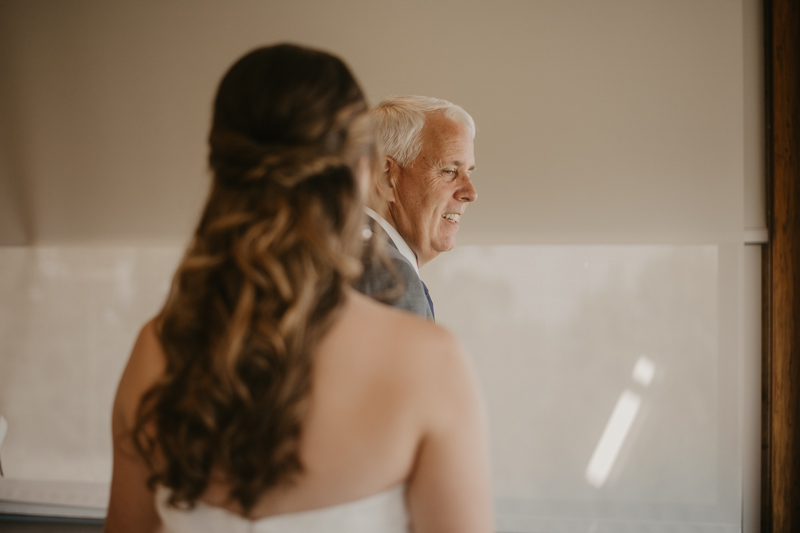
439, 126
447, 139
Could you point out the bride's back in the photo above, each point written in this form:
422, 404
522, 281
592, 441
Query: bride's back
380, 379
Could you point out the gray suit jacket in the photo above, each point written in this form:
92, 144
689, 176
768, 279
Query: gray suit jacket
378, 282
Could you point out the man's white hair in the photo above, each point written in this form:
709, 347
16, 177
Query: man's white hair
399, 121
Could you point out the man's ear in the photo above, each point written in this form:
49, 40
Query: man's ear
386, 180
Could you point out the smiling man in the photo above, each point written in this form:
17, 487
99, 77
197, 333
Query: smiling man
421, 194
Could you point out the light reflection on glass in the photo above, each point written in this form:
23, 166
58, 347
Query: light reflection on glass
619, 425
644, 371
613, 438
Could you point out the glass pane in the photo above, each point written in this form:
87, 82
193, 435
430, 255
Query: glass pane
68, 319
610, 374
611, 394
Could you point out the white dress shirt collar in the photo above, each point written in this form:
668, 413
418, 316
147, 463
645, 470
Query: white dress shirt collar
398, 241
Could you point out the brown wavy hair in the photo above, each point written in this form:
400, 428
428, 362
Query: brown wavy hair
263, 278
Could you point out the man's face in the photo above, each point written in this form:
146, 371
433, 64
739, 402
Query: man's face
431, 194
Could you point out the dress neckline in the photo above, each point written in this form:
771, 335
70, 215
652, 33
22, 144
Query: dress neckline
163, 493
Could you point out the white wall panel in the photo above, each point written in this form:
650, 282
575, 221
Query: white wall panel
556, 333
68, 319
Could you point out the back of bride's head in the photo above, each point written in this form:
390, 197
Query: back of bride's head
263, 278
278, 111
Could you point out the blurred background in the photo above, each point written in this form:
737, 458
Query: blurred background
606, 282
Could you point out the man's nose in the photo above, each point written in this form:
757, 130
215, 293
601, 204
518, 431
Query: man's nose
467, 192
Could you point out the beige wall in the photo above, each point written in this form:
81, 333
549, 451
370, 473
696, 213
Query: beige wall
620, 121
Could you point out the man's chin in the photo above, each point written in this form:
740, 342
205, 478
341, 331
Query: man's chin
445, 246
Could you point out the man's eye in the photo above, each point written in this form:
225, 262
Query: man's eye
449, 172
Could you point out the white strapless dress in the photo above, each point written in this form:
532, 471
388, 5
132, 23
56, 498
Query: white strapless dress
384, 512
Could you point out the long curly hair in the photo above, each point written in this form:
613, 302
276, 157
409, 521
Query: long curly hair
263, 278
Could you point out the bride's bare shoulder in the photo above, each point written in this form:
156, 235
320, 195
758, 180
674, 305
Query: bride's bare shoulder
147, 356
145, 366
427, 358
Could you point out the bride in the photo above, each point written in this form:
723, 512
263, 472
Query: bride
267, 395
